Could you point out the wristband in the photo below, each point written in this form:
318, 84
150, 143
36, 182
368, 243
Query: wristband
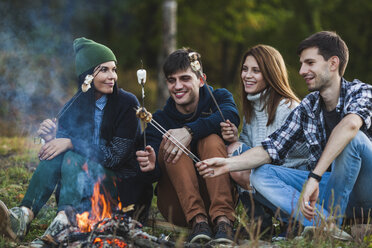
188, 130
315, 176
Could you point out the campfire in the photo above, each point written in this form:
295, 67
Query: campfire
106, 225
101, 209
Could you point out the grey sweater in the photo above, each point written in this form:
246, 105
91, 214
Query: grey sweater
255, 132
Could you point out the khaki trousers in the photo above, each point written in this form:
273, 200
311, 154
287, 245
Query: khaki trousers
183, 193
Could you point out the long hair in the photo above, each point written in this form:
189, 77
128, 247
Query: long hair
275, 74
79, 118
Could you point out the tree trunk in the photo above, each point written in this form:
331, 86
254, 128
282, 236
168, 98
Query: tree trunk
168, 46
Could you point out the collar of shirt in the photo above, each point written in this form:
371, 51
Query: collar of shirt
101, 102
316, 109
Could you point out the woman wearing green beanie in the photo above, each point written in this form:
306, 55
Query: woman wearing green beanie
94, 142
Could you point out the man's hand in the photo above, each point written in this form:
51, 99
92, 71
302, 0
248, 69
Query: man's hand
146, 159
229, 131
47, 130
54, 147
171, 153
310, 195
212, 167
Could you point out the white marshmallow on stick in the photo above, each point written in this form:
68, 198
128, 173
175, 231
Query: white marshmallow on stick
141, 76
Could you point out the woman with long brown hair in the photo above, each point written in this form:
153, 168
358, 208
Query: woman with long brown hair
267, 101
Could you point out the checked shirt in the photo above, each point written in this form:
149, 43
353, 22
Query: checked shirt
306, 122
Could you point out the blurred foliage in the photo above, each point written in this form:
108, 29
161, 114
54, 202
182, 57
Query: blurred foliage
36, 57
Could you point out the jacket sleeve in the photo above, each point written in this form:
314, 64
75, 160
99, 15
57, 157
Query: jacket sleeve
279, 143
122, 147
205, 126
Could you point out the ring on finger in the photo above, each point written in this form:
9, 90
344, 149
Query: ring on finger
174, 151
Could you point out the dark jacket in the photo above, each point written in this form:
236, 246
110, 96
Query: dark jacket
205, 121
120, 131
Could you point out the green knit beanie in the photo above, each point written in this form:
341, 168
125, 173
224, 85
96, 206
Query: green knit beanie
89, 54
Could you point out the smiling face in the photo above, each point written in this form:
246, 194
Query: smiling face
315, 70
104, 79
252, 77
183, 87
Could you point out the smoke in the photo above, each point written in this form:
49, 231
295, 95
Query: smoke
36, 66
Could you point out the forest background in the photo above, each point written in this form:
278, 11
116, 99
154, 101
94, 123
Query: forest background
37, 62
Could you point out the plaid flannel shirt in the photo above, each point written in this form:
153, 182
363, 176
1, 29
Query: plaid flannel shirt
306, 122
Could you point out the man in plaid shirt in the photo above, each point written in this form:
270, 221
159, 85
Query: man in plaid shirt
335, 123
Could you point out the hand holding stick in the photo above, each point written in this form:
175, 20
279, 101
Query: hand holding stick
195, 66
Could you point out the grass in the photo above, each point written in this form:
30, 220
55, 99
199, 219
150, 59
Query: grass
18, 159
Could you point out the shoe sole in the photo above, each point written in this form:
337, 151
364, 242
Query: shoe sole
223, 241
5, 219
200, 238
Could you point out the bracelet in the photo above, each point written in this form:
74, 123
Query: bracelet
315, 176
189, 130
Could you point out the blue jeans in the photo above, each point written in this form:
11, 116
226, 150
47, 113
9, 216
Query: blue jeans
347, 187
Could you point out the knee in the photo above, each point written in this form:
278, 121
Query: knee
259, 174
232, 148
242, 178
211, 142
358, 144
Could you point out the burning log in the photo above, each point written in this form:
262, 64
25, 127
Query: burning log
117, 231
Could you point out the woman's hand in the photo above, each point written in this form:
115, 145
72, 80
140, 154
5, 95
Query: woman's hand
146, 159
47, 130
54, 147
212, 167
229, 131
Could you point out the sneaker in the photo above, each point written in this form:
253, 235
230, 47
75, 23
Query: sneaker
37, 243
14, 222
334, 232
224, 233
59, 224
201, 233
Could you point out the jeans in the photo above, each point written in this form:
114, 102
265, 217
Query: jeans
261, 208
347, 189
76, 178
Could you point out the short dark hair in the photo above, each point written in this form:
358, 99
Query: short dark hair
329, 44
178, 60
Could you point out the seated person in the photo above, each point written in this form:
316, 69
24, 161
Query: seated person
95, 141
192, 118
335, 122
267, 101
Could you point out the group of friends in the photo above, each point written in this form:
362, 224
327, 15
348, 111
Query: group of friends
311, 159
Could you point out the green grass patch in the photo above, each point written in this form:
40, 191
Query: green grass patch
18, 159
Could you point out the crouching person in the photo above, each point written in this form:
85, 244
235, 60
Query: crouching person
94, 141
191, 117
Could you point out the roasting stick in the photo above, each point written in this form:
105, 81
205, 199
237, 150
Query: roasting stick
195, 66
141, 77
84, 88
144, 115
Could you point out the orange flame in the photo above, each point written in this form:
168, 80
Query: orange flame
101, 209
115, 242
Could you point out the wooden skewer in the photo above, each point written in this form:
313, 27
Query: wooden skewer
145, 116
